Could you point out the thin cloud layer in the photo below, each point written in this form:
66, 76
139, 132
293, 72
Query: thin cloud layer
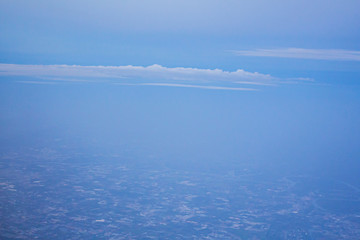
302, 53
191, 86
150, 72
154, 75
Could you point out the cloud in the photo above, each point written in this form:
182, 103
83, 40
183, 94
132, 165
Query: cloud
190, 86
150, 72
302, 53
136, 75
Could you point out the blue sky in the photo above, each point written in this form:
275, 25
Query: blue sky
243, 79
191, 34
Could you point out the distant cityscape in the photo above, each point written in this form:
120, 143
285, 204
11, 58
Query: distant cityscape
47, 194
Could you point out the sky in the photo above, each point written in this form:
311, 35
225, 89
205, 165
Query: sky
268, 82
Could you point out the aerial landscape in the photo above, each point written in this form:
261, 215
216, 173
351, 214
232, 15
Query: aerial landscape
180, 119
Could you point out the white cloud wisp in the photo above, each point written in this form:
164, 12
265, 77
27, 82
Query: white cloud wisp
302, 53
189, 86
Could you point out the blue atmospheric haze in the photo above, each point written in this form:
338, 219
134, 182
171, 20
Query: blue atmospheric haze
303, 119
